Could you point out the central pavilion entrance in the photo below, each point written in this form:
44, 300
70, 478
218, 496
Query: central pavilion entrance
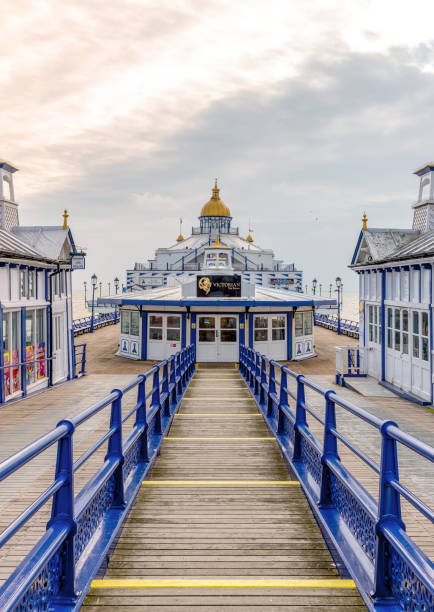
217, 338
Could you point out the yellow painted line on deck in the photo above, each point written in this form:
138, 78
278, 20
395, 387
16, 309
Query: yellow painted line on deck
197, 438
228, 583
238, 483
221, 414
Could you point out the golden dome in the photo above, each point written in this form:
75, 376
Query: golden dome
249, 238
215, 207
180, 238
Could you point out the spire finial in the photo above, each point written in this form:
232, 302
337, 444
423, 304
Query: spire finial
65, 219
215, 191
365, 222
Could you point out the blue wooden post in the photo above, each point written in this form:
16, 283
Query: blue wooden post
282, 428
330, 451
141, 420
114, 450
271, 389
62, 511
156, 400
263, 383
23, 352
178, 375
172, 383
257, 374
165, 389
252, 368
300, 418
389, 510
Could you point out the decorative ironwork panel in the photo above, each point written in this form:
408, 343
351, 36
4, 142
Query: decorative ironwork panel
407, 587
92, 516
359, 522
131, 458
46, 586
312, 459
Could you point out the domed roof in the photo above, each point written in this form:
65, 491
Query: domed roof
215, 207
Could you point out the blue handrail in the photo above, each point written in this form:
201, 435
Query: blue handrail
79, 358
57, 573
390, 570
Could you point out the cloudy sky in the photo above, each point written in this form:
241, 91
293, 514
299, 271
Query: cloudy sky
309, 113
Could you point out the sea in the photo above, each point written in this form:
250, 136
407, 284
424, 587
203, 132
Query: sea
350, 306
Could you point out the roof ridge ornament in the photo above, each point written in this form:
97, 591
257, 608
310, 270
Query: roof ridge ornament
365, 222
65, 219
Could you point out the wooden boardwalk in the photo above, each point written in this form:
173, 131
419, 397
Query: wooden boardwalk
220, 525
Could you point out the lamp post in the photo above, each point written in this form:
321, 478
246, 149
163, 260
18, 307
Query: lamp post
331, 287
320, 289
93, 280
338, 289
314, 284
100, 285
116, 283
306, 288
109, 287
85, 296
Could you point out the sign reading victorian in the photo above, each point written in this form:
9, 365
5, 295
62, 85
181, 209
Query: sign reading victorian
219, 286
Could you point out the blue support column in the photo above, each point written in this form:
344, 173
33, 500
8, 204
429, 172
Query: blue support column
383, 325
193, 329
184, 330
289, 319
242, 333
144, 343
23, 351
250, 329
48, 352
2, 372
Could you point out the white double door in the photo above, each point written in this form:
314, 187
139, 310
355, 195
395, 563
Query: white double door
217, 338
59, 351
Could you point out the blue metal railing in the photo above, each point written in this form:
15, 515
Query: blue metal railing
83, 325
79, 359
390, 570
348, 327
58, 571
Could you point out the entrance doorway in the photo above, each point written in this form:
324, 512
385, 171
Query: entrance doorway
58, 348
217, 338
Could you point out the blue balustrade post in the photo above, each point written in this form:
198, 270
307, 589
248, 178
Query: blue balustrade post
330, 452
141, 420
83, 361
165, 389
271, 389
62, 511
156, 400
114, 450
178, 374
283, 403
263, 383
173, 394
252, 368
389, 511
257, 374
300, 418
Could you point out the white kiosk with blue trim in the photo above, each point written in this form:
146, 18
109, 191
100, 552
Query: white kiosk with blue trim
217, 310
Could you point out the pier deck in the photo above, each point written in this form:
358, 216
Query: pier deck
221, 510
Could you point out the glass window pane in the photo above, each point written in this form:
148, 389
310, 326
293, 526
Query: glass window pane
389, 317
174, 334
371, 314
405, 343
389, 338
415, 322
125, 322
135, 318
307, 316
397, 341
376, 315
173, 321
228, 335
405, 320
206, 335
40, 343
278, 334
228, 323
397, 318
261, 322
371, 332
416, 352
23, 283
278, 321
156, 320
15, 342
261, 335
30, 346
155, 333
207, 323
425, 354
298, 324
424, 324
7, 372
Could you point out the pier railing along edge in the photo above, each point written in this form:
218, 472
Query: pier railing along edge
390, 570
83, 324
57, 572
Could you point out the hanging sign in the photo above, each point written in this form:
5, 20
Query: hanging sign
219, 286
77, 262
